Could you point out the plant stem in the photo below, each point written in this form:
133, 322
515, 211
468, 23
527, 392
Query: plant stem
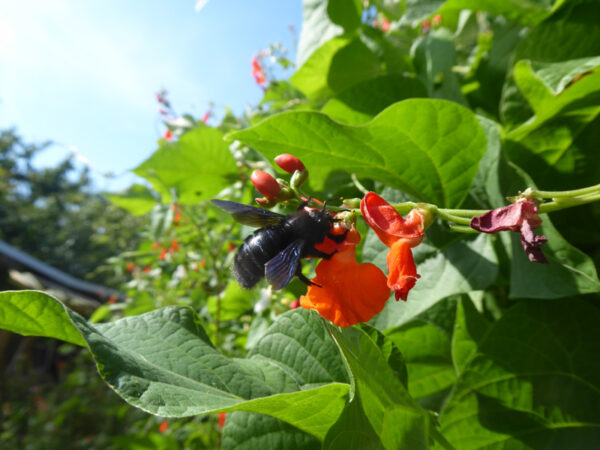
571, 202
462, 228
573, 193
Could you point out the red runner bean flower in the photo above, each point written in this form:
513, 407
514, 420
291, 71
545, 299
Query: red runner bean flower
348, 292
521, 216
258, 73
400, 235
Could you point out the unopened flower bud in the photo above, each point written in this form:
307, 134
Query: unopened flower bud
289, 163
265, 184
298, 178
265, 202
353, 203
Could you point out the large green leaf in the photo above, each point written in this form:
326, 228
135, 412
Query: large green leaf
428, 148
470, 327
426, 348
164, 363
434, 57
31, 313
352, 431
365, 100
335, 66
317, 28
526, 12
534, 382
346, 13
395, 416
137, 199
250, 431
197, 166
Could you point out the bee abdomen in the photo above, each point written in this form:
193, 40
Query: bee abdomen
255, 252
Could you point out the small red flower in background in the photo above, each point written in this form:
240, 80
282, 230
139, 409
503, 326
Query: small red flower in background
230, 247
295, 304
400, 235
437, 19
147, 269
112, 300
164, 425
168, 135
347, 292
174, 245
222, 417
156, 245
206, 116
426, 26
265, 184
258, 73
521, 216
163, 254
129, 267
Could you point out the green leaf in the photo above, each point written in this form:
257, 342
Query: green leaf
446, 268
164, 363
525, 12
248, 431
365, 100
33, 313
434, 57
533, 383
426, 348
569, 272
137, 199
345, 13
417, 10
395, 416
317, 29
352, 431
428, 148
197, 166
571, 33
335, 66
234, 302
544, 143
470, 327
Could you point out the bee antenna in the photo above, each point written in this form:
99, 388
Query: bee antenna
325, 204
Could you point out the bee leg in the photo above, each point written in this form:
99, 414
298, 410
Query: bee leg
304, 204
338, 238
305, 280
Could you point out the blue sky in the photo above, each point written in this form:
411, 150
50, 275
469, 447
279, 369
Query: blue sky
84, 73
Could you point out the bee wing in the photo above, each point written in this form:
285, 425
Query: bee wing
280, 270
249, 215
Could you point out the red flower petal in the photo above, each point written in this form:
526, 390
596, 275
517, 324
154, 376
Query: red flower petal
388, 224
350, 292
402, 271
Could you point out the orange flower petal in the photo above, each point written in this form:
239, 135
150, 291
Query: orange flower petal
388, 224
350, 292
402, 271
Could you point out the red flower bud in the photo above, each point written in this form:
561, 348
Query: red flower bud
295, 304
222, 417
164, 425
265, 184
289, 163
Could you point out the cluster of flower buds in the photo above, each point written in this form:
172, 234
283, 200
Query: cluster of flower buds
279, 190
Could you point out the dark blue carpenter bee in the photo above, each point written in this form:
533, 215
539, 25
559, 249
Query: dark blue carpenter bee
274, 251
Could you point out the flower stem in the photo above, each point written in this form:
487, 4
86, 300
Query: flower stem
462, 229
573, 193
571, 202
